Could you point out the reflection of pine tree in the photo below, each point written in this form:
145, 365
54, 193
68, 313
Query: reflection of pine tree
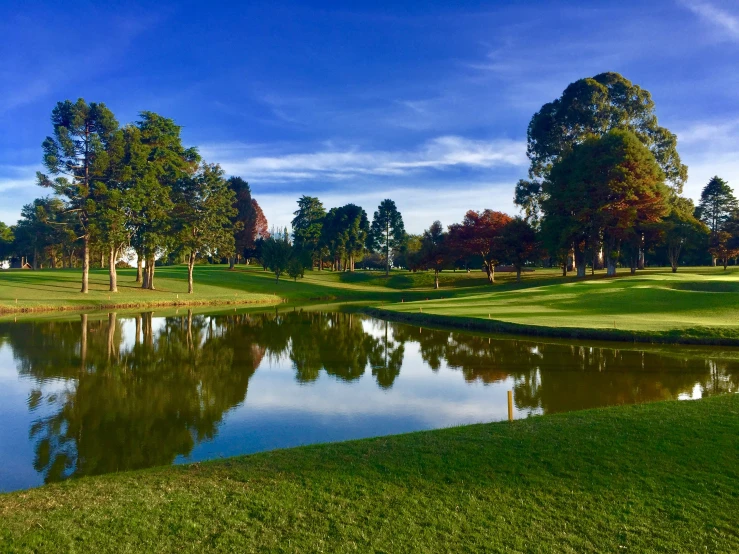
142, 402
387, 362
137, 408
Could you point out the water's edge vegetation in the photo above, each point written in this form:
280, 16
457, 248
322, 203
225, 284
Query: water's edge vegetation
660, 476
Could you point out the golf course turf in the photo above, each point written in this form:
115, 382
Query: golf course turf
660, 477
696, 305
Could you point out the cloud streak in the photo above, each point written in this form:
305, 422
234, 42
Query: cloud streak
438, 154
716, 16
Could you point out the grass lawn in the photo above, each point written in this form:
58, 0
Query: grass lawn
700, 303
696, 304
59, 289
660, 477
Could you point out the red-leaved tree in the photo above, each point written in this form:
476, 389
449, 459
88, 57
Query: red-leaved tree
479, 234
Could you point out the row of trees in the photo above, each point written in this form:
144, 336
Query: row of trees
133, 187
604, 188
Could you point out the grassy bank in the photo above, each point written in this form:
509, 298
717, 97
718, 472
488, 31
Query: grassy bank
23, 291
697, 305
654, 477
693, 306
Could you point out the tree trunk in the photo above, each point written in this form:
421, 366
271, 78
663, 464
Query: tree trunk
640, 263
83, 342
111, 270
436, 278
611, 265
85, 263
490, 270
231, 262
190, 266
150, 265
111, 335
139, 268
564, 269
35, 258
145, 278
578, 257
518, 274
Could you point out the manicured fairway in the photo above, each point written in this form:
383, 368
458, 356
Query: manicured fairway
59, 289
699, 304
696, 303
660, 477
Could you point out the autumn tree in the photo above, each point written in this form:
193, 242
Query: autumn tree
387, 232
479, 234
612, 186
203, 216
77, 157
519, 243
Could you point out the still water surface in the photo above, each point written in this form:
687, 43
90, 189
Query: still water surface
103, 393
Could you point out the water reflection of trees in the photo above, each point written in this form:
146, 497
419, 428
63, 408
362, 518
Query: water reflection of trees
140, 391
133, 403
555, 377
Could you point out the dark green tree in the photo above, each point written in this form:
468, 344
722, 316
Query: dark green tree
388, 232
295, 268
159, 161
307, 226
608, 189
716, 204
277, 252
78, 158
245, 220
680, 229
6, 241
434, 251
593, 107
519, 243
203, 216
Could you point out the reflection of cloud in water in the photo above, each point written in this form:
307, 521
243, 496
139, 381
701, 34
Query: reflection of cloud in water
97, 394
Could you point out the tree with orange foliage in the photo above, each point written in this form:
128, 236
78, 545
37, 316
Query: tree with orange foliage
479, 234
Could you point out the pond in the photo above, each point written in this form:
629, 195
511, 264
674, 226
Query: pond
96, 393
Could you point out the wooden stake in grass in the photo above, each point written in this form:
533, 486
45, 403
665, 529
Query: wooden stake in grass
510, 405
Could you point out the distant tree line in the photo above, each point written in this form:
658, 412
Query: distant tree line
129, 188
604, 190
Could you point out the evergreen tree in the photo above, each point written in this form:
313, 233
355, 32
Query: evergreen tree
716, 205
307, 227
388, 232
78, 158
203, 216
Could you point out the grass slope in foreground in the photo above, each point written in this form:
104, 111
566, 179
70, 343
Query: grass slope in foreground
697, 304
651, 477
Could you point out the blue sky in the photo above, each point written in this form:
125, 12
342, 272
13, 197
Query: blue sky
426, 103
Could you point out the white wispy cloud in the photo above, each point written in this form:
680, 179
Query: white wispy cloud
437, 154
716, 16
13, 177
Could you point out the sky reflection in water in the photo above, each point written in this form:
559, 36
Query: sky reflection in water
97, 394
